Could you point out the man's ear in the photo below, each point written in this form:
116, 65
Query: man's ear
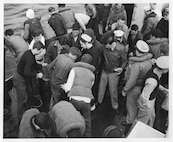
75, 56
35, 125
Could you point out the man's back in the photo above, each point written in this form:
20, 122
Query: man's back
137, 73
68, 16
57, 24
62, 66
150, 22
95, 52
27, 65
32, 25
18, 43
144, 67
25, 129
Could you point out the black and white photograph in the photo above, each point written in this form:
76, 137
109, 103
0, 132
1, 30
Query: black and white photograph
86, 69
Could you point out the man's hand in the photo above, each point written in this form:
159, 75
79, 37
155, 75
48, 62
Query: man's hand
106, 28
144, 102
39, 75
44, 64
124, 93
118, 70
63, 86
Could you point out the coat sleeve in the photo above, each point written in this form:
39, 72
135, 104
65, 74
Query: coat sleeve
48, 55
52, 64
149, 26
26, 32
134, 73
27, 70
123, 55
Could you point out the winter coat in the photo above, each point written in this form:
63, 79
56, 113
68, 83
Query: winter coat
137, 73
116, 58
83, 81
25, 129
115, 13
19, 45
68, 16
58, 24
150, 22
60, 67
95, 51
163, 26
53, 50
155, 46
70, 41
66, 118
132, 43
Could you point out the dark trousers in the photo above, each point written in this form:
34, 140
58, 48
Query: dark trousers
48, 41
20, 87
33, 91
45, 94
164, 120
161, 115
84, 109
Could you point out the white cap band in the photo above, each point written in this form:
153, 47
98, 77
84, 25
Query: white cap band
163, 62
86, 37
30, 14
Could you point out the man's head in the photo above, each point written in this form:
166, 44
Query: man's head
86, 58
37, 33
141, 48
162, 63
76, 29
147, 9
61, 5
164, 48
9, 32
87, 39
30, 14
118, 35
51, 10
74, 133
74, 52
107, 37
42, 122
165, 13
118, 5
113, 131
37, 47
153, 6
108, 40
121, 20
156, 33
134, 29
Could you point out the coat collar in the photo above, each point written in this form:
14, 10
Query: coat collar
84, 65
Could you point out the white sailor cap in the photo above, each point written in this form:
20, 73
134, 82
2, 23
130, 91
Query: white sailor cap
163, 62
142, 46
30, 14
86, 37
146, 8
118, 33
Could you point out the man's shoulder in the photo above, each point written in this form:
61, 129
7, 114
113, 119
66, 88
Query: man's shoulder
52, 43
143, 63
62, 57
121, 46
97, 44
27, 55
